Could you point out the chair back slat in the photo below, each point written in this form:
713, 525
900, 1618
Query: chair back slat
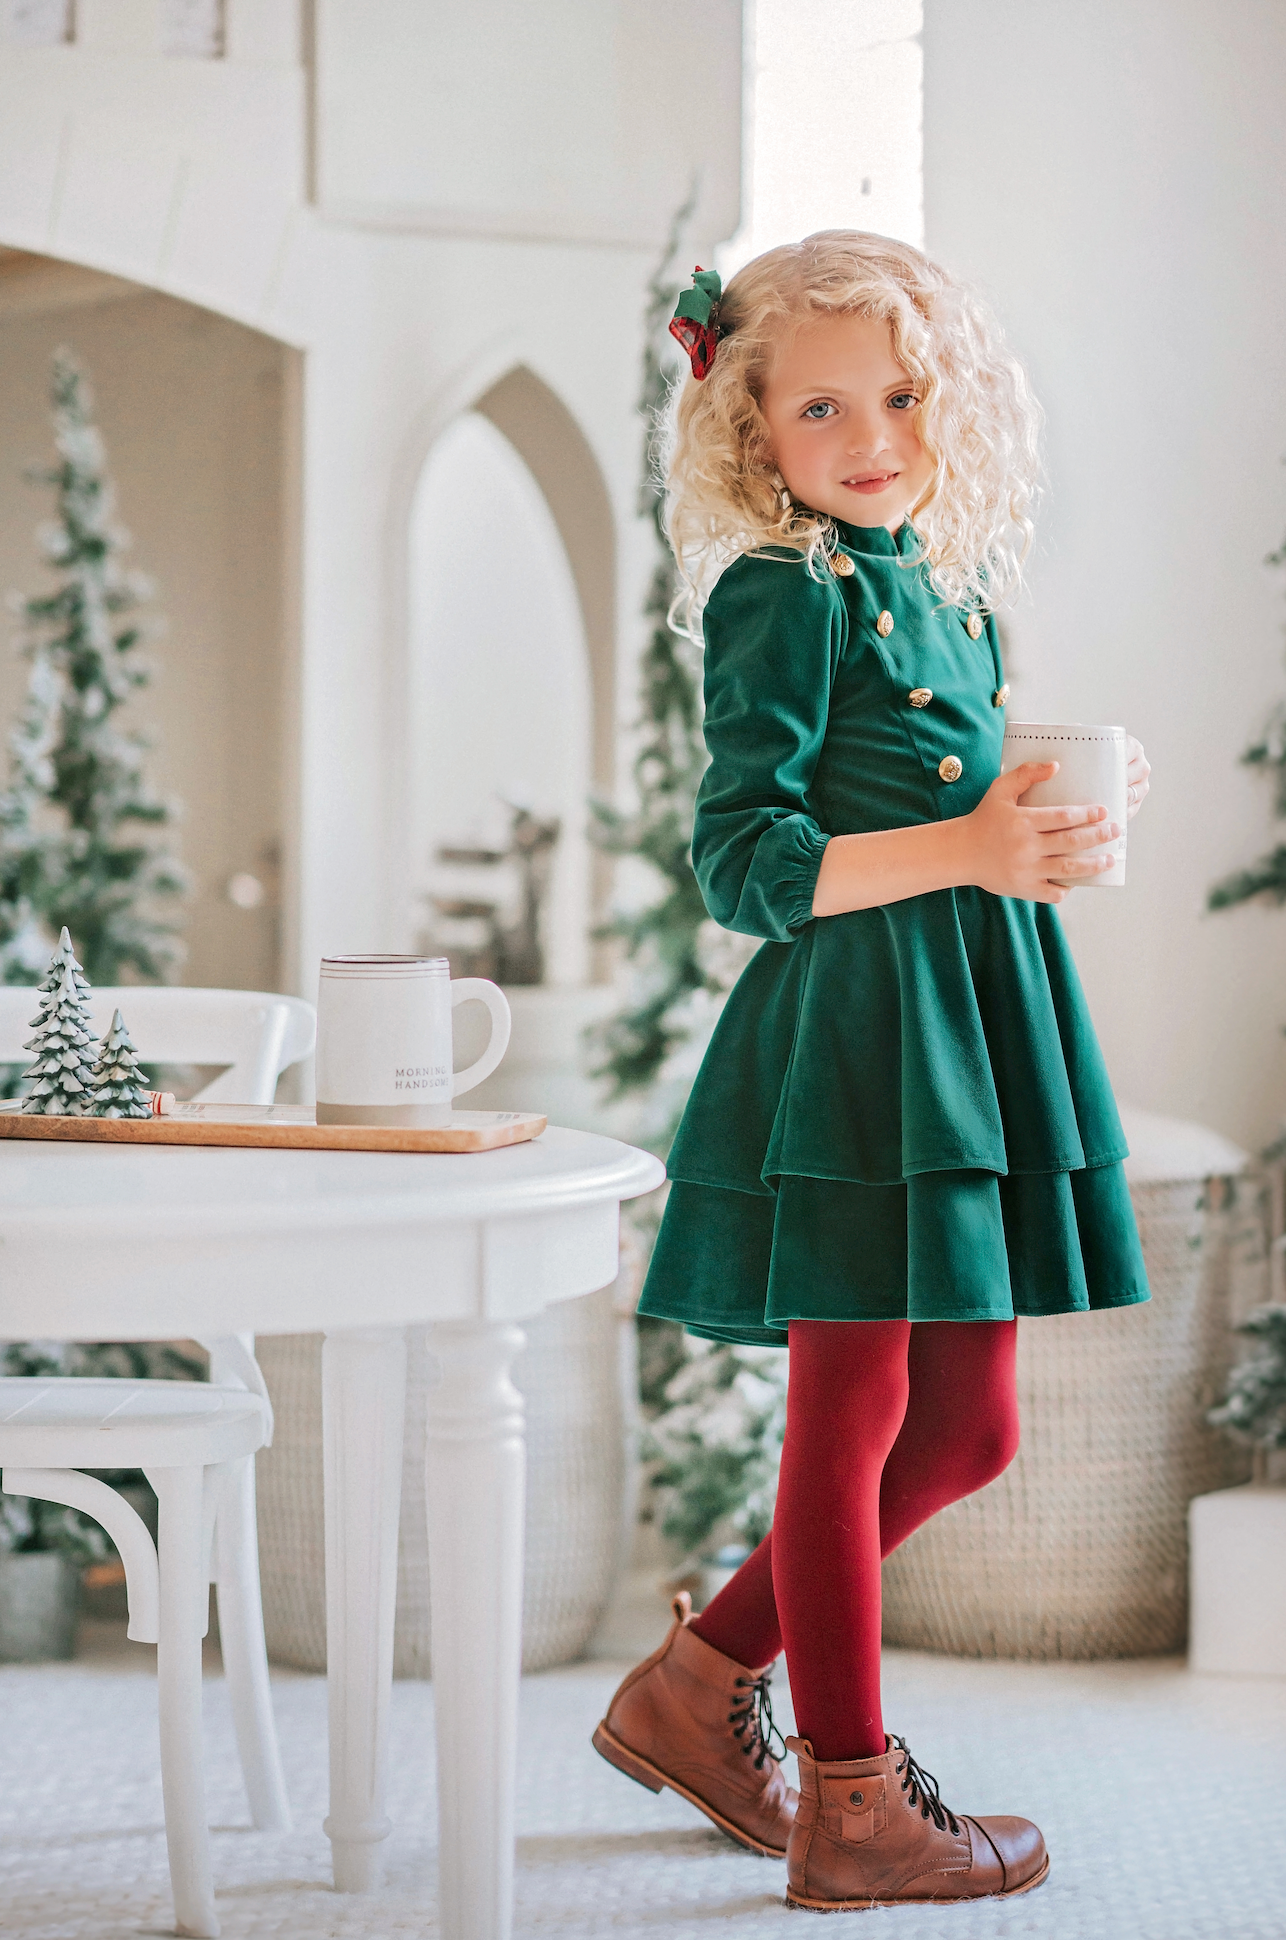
256, 1034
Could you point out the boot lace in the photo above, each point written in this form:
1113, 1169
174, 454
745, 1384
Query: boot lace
922, 1788
752, 1720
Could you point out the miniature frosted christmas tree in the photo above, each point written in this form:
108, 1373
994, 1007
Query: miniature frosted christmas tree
64, 1064
118, 1087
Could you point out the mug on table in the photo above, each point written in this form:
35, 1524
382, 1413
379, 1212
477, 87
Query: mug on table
384, 1039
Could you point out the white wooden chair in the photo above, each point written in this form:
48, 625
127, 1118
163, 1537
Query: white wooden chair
257, 1035
194, 1441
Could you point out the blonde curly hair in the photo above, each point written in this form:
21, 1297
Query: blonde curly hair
977, 421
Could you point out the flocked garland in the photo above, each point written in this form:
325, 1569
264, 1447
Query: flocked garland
715, 1413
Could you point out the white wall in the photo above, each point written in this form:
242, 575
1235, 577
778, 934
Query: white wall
1111, 173
565, 119
203, 177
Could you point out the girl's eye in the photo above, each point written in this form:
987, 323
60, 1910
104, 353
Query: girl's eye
903, 401
818, 411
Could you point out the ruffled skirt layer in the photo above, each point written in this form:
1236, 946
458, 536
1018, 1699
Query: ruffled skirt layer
945, 1246
905, 1114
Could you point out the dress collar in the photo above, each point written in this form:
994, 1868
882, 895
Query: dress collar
877, 538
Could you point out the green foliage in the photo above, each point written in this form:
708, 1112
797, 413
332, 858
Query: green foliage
717, 1412
716, 1444
81, 831
662, 1352
27, 1524
126, 1360
1254, 1408
1267, 875
663, 940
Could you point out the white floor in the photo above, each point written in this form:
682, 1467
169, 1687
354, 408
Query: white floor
1163, 1798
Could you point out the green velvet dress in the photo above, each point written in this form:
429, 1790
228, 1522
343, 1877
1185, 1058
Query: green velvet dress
903, 1112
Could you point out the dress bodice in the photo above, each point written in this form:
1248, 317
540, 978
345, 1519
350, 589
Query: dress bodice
946, 1030
837, 701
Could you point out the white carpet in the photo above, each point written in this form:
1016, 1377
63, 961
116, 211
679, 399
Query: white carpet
1162, 1796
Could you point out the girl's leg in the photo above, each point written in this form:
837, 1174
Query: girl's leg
813, 1584
959, 1432
845, 1404
742, 1620
961, 1425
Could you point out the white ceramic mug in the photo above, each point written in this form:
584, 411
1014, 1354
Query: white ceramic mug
1091, 769
384, 1040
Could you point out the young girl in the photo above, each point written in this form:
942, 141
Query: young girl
902, 1135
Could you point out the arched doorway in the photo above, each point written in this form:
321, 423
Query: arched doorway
198, 413
510, 662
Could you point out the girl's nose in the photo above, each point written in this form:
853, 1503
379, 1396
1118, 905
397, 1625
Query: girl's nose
867, 436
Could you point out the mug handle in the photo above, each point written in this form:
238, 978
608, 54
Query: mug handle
462, 989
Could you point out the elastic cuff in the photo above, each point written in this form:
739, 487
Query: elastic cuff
812, 847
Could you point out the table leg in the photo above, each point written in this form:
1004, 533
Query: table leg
475, 1499
363, 1403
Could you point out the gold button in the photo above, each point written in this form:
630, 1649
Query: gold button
973, 626
1000, 696
950, 768
920, 696
884, 625
841, 564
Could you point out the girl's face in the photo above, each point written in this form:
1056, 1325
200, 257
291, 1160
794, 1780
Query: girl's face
841, 414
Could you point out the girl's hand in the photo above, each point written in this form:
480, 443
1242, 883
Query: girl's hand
1015, 851
1136, 774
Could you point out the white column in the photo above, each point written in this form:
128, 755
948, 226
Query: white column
475, 1478
363, 1403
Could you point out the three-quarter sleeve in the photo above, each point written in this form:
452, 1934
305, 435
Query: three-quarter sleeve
773, 639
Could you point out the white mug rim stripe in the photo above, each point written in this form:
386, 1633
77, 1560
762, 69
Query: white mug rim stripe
1060, 731
381, 970
405, 968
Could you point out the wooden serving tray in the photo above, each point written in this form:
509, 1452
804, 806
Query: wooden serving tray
291, 1126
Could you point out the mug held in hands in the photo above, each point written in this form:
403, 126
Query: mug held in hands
1092, 765
384, 1039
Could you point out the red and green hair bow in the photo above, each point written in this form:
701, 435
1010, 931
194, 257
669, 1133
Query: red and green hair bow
695, 322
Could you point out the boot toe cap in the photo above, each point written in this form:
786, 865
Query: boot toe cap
1020, 1848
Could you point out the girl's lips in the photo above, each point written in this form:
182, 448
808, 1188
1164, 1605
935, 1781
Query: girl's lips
879, 483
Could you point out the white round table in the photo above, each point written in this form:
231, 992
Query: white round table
103, 1242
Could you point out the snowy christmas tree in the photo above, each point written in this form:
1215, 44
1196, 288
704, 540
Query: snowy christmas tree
79, 823
24, 945
118, 1088
64, 1067
1254, 1408
716, 1442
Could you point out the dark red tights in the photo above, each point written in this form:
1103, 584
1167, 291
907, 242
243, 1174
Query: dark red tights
886, 1422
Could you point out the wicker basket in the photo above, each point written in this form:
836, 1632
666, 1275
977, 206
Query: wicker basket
576, 1491
1080, 1549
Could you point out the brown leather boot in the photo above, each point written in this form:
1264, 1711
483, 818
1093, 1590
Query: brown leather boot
690, 1718
873, 1832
